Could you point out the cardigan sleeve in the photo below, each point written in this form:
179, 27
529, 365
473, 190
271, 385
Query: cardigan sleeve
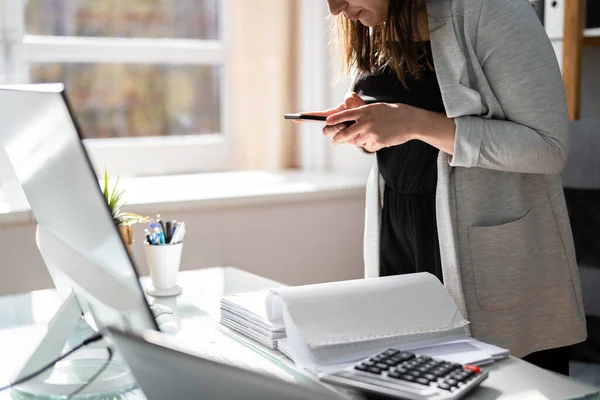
522, 69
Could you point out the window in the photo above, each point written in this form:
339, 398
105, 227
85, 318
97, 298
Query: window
145, 77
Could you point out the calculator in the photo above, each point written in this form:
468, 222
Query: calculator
405, 375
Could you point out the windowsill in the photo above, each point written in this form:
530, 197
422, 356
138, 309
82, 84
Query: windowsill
218, 190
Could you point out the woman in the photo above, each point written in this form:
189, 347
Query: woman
463, 102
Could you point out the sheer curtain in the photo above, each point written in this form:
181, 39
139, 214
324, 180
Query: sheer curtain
261, 38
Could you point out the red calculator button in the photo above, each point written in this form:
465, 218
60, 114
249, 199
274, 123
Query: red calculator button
473, 368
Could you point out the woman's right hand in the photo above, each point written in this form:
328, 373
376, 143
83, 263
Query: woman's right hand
352, 100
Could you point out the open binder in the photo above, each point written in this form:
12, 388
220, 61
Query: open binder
325, 326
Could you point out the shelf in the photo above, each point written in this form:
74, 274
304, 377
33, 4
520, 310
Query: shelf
591, 37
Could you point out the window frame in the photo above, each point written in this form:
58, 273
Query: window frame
135, 156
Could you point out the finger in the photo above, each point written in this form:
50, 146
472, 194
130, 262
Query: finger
347, 135
370, 148
328, 112
353, 100
359, 140
330, 130
353, 114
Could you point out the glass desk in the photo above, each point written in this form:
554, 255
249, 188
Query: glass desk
23, 320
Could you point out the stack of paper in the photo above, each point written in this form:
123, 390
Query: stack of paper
246, 313
331, 324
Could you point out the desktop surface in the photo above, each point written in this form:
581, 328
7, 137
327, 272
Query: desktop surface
195, 311
24, 319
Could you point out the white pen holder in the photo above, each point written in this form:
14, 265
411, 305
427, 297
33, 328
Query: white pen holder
163, 262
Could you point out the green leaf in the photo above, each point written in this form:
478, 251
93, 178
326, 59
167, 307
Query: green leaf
116, 202
106, 194
116, 184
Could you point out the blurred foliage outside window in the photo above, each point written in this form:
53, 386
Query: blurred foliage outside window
132, 100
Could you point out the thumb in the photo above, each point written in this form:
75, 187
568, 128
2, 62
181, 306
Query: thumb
351, 100
328, 112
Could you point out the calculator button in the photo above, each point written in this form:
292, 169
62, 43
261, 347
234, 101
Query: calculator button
430, 377
369, 363
408, 378
444, 386
451, 382
422, 381
423, 369
473, 368
468, 373
460, 377
397, 360
382, 366
391, 352
392, 362
407, 356
374, 370
361, 367
394, 375
414, 373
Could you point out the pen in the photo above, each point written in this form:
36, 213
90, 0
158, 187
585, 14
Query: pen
161, 235
183, 232
168, 234
162, 226
179, 233
176, 232
148, 236
173, 225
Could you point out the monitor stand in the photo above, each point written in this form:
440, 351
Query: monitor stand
71, 373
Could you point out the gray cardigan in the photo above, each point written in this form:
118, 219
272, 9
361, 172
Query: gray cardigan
505, 240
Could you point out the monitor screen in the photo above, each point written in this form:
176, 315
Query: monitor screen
77, 237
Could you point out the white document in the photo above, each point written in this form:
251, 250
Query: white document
249, 333
258, 328
252, 307
336, 322
327, 326
463, 351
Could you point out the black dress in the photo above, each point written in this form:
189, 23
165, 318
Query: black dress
409, 240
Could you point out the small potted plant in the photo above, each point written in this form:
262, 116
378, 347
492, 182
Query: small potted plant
123, 220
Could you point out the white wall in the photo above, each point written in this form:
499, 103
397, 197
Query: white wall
292, 242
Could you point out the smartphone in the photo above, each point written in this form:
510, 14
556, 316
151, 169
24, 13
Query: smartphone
308, 117
305, 117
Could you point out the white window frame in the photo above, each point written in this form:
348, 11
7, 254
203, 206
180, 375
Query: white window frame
135, 156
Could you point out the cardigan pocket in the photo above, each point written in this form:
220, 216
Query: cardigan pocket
504, 265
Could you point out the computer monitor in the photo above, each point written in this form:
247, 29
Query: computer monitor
76, 235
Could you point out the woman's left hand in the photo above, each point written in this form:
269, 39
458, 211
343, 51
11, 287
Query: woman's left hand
378, 125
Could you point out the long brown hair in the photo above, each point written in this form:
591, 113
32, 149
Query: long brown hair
393, 43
